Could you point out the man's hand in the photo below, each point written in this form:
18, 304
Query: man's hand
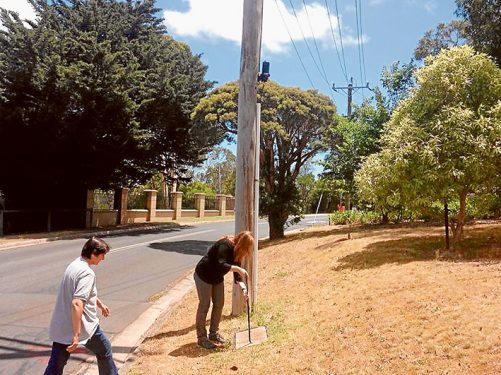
104, 309
73, 345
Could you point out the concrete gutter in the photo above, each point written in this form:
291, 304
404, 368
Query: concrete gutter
134, 334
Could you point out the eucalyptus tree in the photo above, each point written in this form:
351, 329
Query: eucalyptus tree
483, 25
479, 25
293, 130
446, 35
93, 95
218, 170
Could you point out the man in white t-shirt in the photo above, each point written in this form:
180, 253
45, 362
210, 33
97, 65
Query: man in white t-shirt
74, 320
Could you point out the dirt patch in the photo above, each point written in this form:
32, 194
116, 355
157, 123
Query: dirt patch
383, 302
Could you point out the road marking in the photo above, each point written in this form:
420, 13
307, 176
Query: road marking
118, 249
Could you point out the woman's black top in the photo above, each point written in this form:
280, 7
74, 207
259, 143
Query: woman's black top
217, 263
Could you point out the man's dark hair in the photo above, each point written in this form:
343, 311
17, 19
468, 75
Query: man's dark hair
94, 246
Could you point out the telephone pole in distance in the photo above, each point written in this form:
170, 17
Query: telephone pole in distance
350, 89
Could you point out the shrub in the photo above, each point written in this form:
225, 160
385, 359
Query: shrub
355, 217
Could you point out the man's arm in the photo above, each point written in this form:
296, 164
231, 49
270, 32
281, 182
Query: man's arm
104, 309
77, 306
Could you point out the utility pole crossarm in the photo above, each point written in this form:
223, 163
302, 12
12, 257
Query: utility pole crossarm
350, 89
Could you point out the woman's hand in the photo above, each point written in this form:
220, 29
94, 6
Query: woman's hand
241, 271
244, 290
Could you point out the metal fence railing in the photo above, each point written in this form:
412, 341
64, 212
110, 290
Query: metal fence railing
104, 200
210, 203
189, 202
163, 202
32, 221
230, 203
136, 200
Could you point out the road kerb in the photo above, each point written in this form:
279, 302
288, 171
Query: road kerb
134, 334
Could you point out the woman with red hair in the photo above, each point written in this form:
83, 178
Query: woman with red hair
225, 255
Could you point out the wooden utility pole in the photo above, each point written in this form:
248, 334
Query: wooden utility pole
246, 137
350, 89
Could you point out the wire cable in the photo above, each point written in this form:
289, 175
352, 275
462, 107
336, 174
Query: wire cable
361, 39
358, 42
341, 40
294, 44
316, 45
307, 45
335, 43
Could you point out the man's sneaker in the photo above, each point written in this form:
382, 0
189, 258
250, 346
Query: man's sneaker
217, 338
206, 344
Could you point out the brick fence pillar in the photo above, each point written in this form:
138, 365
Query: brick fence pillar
200, 204
121, 204
151, 205
177, 201
221, 204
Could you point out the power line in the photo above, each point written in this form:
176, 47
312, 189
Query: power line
307, 45
294, 44
358, 42
361, 39
316, 46
335, 43
341, 39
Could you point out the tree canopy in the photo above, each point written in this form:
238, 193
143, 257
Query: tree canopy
218, 171
445, 35
352, 140
479, 26
483, 25
93, 94
293, 129
443, 142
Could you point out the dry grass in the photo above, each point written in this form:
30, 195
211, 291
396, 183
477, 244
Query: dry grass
379, 303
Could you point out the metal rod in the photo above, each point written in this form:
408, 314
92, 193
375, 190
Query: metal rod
248, 312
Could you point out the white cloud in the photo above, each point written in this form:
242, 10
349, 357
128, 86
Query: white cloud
430, 6
206, 19
22, 7
376, 2
350, 8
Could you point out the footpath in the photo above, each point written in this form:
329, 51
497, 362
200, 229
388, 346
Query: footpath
133, 335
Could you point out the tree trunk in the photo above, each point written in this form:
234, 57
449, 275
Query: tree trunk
386, 220
458, 233
276, 223
348, 202
446, 220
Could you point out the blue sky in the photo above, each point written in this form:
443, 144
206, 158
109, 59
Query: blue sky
390, 32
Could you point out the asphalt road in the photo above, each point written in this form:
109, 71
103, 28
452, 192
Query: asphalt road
139, 266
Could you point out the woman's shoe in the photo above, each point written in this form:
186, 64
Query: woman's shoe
206, 344
217, 338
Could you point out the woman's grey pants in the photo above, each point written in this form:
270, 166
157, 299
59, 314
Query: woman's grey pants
206, 292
